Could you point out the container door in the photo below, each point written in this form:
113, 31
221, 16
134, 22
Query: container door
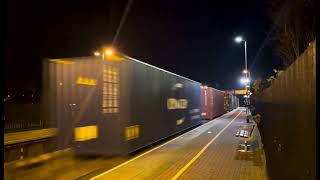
86, 103
58, 99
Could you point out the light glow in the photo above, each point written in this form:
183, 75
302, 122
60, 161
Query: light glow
238, 39
96, 53
244, 80
245, 71
109, 52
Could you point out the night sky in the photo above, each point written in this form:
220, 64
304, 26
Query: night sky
191, 38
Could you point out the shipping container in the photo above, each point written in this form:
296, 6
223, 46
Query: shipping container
212, 102
115, 105
218, 98
231, 102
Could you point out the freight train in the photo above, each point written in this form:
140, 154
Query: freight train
108, 105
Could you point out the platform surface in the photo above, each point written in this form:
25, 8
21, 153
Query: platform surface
24, 136
209, 151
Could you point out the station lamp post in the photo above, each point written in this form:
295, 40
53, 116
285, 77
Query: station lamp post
239, 39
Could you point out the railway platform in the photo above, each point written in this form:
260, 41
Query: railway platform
24, 136
210, 151
26, 144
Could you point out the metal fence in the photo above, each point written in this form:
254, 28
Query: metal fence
22, 117
287, 110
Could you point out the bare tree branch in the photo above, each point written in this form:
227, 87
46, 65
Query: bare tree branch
294, 27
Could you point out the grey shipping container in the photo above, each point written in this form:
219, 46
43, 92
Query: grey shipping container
113, 106
231, 102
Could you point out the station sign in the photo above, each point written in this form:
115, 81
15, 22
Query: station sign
241, 92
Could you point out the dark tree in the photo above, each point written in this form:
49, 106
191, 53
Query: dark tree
294, 27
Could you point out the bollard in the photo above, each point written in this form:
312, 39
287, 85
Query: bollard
245, 146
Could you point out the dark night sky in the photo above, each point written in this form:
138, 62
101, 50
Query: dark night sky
190, 38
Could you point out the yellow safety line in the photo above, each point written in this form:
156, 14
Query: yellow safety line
201, 151
127, 162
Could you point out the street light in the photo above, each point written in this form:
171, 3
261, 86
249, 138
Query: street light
239, 39
244, 80
109, 51
106, 51
245, 71
96, 53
